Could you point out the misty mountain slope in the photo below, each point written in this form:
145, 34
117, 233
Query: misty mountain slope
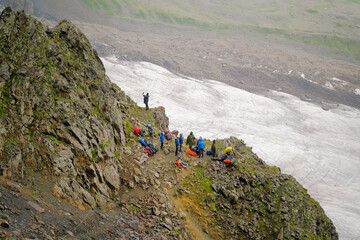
252, 61
67, 138
322, 24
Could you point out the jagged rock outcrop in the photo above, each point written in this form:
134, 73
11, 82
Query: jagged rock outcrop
26, 5
251, 200
59, 111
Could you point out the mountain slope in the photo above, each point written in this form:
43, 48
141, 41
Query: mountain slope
66, 132
322, 24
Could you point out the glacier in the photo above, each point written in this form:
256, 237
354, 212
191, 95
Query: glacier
321, 149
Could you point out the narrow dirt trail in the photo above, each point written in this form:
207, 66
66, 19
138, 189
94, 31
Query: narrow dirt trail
183, 204
164, 164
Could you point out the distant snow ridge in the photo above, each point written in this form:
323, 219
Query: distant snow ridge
319, 148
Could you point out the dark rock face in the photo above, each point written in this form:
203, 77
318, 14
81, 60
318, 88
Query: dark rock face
251, 200
59, 111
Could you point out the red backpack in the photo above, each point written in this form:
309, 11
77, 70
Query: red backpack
136, 130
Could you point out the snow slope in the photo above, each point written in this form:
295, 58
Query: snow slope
321, 149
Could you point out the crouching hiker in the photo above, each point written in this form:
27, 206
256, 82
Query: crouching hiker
201, 146
151, 131
168, 135
226, 157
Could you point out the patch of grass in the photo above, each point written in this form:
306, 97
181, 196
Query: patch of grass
55, 139
177, 19
212, 206
94, 155
339, 45
354, 1
140, 15
312, 11
338, 25
219, 146
200, 184
142, 114
13, 141
5, 100
109, 6
274, 170
96, 108
116, 3
133, 208
128, 126
129, 143
344, 46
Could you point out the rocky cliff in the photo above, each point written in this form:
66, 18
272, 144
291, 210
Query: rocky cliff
59, 111
65, 129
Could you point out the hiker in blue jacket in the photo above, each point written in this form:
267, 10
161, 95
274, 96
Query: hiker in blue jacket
162, 139
177, 144
201, 146
181, 140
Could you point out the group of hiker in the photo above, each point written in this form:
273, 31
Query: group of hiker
195, 149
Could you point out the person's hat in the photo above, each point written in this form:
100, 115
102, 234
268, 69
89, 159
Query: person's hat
149, 125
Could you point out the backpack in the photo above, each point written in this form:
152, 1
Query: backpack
136, 130
195, 149
228, 159
142, 132
208, 152
151, 131
152, 148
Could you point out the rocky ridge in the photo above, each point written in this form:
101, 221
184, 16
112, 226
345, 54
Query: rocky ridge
66, 131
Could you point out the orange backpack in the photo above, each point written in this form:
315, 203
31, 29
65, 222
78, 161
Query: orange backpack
227, 161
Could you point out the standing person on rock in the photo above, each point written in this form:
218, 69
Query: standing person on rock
177, 144
162, 139
201, 146
146, 100
181, 140
213, 149
190, 140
